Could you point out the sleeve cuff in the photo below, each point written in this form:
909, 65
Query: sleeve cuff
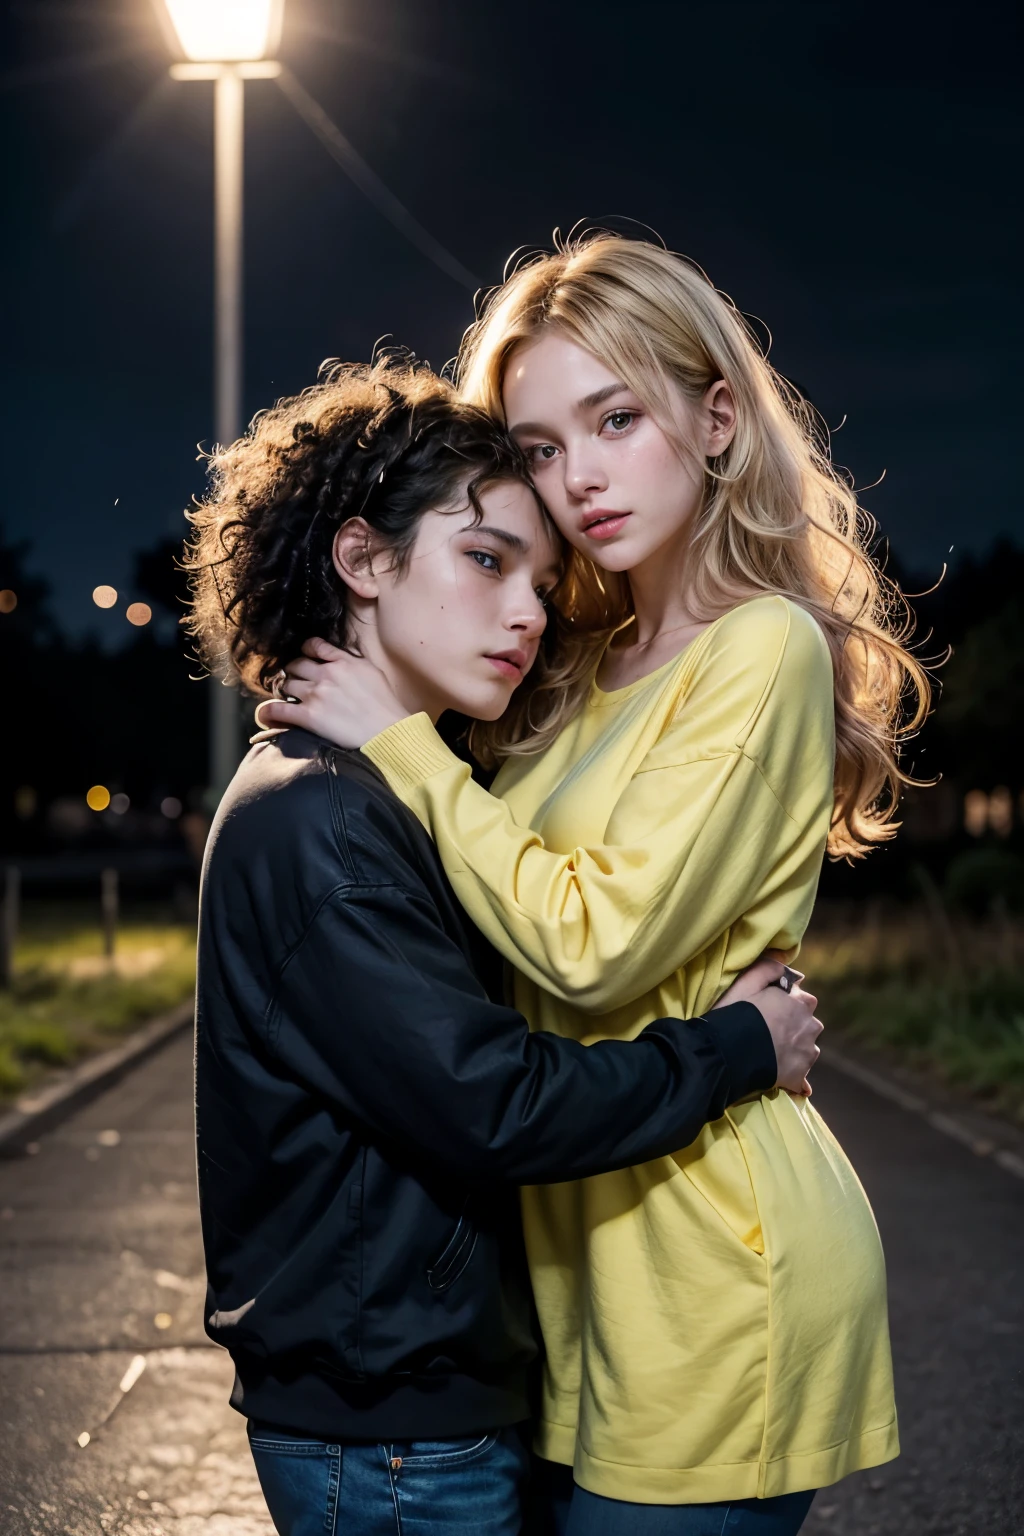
746, 1044
409, 752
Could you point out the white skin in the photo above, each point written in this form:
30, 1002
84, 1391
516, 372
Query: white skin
618, 488
458, 629
617, 485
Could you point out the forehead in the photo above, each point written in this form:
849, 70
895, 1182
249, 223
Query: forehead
511, 506
554, 371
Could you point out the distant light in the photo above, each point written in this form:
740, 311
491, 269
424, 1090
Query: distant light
84, 1438
139, 614
136, 1368
1000, 811
171, 808
8, 600
225, 30
976, 812
104, 597
119, 804
163, 1320
98, 798
25, 802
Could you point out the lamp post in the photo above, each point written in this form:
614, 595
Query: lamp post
226, 41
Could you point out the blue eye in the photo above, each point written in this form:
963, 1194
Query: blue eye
482, 556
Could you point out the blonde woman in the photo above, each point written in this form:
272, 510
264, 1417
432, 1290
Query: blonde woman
719, 701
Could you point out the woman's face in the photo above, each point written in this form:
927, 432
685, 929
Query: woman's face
615, 484
459, 627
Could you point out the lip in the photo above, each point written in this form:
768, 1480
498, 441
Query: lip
603, 523
509, 663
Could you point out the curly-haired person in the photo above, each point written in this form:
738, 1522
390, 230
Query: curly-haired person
366, 1105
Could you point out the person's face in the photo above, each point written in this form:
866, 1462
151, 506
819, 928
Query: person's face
615, 484
459, 627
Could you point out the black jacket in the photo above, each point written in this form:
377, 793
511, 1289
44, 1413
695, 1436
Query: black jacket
365, 1110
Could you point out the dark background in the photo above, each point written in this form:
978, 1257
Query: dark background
848, 172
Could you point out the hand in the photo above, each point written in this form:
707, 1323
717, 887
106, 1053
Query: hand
342, 697
789, 1017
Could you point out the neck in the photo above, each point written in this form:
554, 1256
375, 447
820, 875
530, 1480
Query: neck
410, 692
658, 588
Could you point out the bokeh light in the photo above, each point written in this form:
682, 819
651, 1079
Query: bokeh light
976, 812
139, 614
8, 600
119, 804
98, 798
171, 808
25, 802
1000, 811
104, 597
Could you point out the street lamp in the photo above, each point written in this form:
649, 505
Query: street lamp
218, 31
226, 41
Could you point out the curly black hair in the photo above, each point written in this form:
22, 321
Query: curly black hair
388, 442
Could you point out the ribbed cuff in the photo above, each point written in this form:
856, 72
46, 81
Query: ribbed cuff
409, 752
745, 1041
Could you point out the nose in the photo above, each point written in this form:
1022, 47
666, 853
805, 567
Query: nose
584, 475
526, 617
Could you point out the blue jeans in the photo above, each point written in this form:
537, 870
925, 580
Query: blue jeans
572, 1511
404, 1488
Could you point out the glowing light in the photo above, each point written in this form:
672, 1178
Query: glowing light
171, 808
25, 802
976, 812
163, 1320
119, 804
104, 597
8, 600
1000, 811
84, 1438
132, 1374
225, 30
98, 798
139, 614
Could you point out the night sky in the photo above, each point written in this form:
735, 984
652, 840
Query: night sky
849, 173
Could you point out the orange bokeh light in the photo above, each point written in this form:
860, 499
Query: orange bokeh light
139, 614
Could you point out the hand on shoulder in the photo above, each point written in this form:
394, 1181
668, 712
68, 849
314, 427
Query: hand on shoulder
333, 694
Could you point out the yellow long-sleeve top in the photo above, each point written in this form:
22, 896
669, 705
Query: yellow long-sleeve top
715, 1322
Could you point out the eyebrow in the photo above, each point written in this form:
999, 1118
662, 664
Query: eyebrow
588, 403
510, 540
514, 542
600, 396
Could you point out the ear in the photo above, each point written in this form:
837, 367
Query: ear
719, 413
352, 554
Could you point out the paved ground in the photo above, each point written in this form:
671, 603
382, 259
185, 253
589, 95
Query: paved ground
100, 1264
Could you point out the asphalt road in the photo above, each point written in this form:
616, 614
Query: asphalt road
100, 1265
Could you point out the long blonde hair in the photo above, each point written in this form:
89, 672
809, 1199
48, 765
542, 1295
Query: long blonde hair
777, 516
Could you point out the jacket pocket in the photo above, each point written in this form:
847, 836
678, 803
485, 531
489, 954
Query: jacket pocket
453, 1262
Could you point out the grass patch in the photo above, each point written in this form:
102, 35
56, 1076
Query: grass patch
938, 992
68, 1001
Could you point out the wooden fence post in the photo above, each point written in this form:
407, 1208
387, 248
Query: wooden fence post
109, 905
9, 923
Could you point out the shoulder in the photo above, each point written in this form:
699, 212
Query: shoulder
765, 658
298, 803
765, 642
771, 628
